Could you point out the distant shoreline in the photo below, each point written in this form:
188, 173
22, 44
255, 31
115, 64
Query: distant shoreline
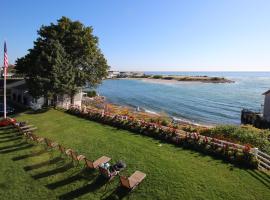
177, 79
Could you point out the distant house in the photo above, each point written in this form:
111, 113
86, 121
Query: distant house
10, 71
137, 74
113, 74
258, 119
124, 74
266, 106
20, 95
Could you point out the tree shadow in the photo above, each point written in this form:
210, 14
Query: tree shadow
29, 155
53, 172
118, 193
43, 110
96, 184
42, 164
261, 176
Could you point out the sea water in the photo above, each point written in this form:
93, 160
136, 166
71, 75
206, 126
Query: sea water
201, 103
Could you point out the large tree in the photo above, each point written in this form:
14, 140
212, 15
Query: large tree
64, 58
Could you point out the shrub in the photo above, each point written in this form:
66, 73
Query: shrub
92, 93
164, 122
245, 134
189, 128
157, 76
168, 78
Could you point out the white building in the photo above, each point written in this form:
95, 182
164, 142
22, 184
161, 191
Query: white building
113, 74
266, 107
20, 95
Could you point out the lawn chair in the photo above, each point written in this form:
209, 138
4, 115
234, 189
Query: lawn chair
50, 144
62, 149
75, 156
21, 125
36, 138
26, 127
107, 174
28, 130
112, 171
133, 181
94, 164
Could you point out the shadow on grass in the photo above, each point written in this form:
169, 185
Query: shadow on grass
43, 110
6, 128
29, 155
12, 146
17, 149
118, 193
10, 136
9, 132
11, 139
261, 176
53, 172
42, 164
91, 187
83, 175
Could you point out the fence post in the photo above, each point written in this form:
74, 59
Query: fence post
255, 152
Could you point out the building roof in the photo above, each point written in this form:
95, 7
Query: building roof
9, 81
267, 92
21, 87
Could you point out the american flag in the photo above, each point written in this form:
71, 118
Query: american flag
5, 59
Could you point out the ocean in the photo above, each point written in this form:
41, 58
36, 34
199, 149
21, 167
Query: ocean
199, 103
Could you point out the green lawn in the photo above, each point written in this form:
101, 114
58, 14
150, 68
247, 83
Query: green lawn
27, 172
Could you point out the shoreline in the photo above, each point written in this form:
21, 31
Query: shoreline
141, 112
179, 79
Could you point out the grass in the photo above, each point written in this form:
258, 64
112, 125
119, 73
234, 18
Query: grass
29, 172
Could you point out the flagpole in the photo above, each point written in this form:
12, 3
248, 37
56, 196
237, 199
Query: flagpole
5, 95
5, 79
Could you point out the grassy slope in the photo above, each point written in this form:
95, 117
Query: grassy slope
172, 173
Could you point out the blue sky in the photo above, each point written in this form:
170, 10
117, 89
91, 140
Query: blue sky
151, 35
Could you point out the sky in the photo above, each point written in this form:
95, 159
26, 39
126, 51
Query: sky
153, 35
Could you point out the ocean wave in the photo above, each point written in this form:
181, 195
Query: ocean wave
151, 112
182, 120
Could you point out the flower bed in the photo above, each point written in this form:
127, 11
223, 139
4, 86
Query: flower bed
234, 153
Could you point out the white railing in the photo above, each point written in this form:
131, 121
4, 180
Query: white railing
263, 158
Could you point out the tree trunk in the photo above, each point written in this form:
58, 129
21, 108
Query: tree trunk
46, 101
54, 100
72, 98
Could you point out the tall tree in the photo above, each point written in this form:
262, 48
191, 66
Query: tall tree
64, 58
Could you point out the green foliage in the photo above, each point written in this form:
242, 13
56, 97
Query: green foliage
168, 78
65, 57
164, 122
92, 93
189, 128
157, 76
146, 76
244, 134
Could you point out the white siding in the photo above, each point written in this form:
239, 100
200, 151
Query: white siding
64, 100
